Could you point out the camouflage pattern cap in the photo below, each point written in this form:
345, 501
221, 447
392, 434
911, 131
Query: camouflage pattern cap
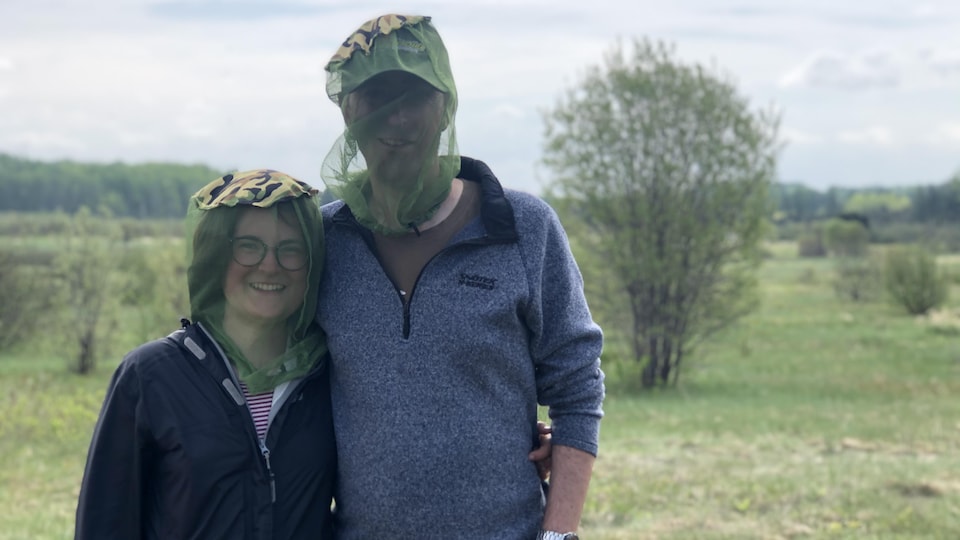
391, 42
260, 187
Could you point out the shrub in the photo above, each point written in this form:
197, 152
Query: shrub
943, 238
857, 278
33, 223
150, 228
913, 279
808, 276
846, 238
155, 286
788, 231
23, 300
810, 244
944, 322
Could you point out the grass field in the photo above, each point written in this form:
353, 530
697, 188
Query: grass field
813, 418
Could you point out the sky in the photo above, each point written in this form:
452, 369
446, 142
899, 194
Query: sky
868, 92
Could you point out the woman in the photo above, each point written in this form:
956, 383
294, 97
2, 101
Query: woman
223, 428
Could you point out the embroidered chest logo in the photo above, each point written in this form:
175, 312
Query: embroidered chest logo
476, 280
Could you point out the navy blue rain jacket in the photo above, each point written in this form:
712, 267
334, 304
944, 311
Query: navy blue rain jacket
175, 453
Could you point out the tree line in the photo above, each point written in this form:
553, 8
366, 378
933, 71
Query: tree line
937, 204
142, 191
160, 190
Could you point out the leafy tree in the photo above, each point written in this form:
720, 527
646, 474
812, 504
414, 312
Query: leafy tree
879, 206
798, 203
937, 204
86, 268
668, 170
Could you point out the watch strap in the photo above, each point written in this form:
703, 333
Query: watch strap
553, 535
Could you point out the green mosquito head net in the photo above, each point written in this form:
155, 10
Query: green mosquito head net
398, 155
212, 217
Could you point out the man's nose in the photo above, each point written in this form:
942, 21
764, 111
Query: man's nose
399, 116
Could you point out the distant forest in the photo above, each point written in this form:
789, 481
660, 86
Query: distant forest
150, 190
160, 190
926, 204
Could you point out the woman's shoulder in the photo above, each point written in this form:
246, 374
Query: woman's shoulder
146, 364
159, 353
158, 347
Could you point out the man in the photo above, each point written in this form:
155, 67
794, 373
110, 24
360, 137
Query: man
452, 308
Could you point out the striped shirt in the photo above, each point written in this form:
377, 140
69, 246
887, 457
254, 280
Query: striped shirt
259, 405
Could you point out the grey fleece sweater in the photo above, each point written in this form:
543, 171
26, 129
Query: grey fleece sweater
435, 406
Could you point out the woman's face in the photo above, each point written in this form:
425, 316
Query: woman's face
265, 293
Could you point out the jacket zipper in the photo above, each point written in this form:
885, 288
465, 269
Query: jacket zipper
265, 452
406, 297
252, 429
260, 443
480, 241
406, 309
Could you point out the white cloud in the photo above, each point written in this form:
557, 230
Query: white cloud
943, 62
925, 11
849, 71
198, 120
53, 141
6, 64
946, 134
951, 131
796, 136
137, 139
876, 135
511, 112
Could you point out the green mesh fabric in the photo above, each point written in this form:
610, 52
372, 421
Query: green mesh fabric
391, 192
212, 216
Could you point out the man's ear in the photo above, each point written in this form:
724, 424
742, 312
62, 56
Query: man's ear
348, 108
445, 119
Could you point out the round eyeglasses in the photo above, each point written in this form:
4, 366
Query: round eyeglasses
250, 251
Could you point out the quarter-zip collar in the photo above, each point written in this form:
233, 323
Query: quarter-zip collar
496, 214
497, 224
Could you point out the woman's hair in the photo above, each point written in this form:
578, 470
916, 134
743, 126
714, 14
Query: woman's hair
212, 254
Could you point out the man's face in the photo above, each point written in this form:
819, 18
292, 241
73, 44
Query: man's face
396, 118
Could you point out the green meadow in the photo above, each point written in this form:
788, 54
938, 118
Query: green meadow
811, 418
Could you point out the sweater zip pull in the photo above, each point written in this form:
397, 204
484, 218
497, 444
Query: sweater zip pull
266, 458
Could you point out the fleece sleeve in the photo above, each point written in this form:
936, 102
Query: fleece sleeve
565, 341
113, 482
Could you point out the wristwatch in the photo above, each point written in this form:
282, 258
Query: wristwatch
553, 535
